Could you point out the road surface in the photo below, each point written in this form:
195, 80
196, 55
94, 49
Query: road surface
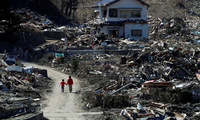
62, 106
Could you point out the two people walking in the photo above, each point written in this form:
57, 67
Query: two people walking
69, 83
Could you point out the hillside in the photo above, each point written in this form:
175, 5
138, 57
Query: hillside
173, 8
49, 8
158, 8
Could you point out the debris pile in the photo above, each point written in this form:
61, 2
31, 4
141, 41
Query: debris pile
164, 71
15, 106
35, 20
158, 111
21, 90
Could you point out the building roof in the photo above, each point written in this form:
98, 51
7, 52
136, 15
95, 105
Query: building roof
120, 23
109, 2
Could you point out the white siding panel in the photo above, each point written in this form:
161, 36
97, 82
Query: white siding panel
129, 27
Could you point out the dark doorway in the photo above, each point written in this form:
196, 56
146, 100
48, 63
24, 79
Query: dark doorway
114, 33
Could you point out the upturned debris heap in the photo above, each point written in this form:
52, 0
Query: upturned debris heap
21, 89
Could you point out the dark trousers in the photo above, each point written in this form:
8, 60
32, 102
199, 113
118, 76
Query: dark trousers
70, 88
62, 89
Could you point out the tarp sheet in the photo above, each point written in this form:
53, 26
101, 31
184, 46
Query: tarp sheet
58, 55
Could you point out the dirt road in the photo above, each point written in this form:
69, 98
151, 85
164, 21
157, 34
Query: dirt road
62, 106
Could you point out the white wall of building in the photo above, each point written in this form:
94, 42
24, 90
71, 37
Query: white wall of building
129, 27
129, 4
126, 29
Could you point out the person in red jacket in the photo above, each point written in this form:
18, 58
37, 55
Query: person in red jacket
62, 84
70, 83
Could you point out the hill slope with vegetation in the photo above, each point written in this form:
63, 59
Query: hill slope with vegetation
60, 10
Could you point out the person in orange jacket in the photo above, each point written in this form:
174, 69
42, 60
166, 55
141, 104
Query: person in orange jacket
62, 84
70, 83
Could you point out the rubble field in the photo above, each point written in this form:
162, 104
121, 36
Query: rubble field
157, 81
145, 80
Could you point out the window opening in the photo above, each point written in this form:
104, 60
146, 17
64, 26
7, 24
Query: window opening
130, 13
113, 12
114, 33
136, 32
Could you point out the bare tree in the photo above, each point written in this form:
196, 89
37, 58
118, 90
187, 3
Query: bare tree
74, 6
69, 7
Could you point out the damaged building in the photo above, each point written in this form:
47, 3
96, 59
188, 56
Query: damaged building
117, 18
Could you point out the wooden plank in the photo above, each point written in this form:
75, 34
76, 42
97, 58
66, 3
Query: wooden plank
159, 105
18, 80
121, 88
144, 115
198, 76
159, 84
159, 111
177, 115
